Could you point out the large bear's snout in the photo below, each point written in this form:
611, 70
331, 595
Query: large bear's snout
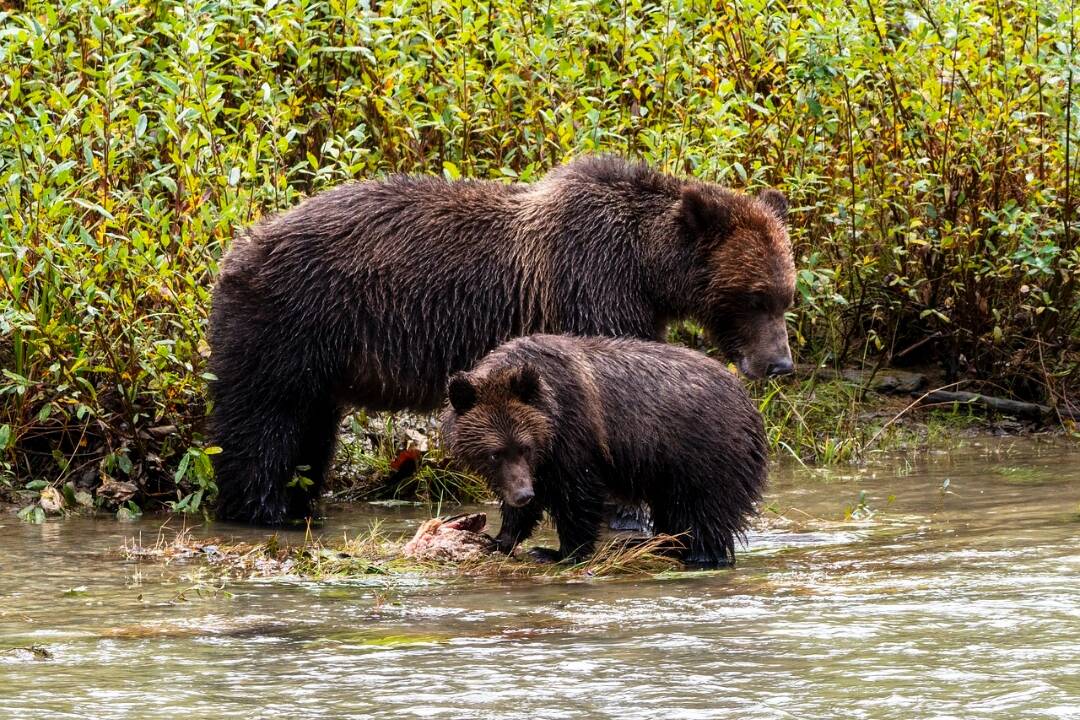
765, 352
783, 366
758, 367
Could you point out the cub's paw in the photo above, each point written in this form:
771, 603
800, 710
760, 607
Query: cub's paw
504, 545
544, 555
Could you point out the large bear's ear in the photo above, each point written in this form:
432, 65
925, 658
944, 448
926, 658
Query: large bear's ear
700, 214
775, 201
525, 384
462, 393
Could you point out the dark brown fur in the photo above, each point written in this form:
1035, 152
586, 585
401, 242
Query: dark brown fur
371, 294
558, 424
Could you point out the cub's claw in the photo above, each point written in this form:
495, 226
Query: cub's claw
545, 555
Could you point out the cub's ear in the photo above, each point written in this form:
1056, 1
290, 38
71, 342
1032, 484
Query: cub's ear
701, 214
462, 393
525, 384
775, 201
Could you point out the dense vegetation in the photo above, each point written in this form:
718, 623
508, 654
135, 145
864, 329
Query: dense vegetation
929, 149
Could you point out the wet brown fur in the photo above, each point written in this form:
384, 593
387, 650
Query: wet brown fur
371, 294
593, 418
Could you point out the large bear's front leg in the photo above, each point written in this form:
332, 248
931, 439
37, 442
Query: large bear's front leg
518, 523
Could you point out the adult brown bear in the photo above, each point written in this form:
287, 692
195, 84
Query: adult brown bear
371, 294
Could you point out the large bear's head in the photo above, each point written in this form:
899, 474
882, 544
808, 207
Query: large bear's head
498, 425
743, 275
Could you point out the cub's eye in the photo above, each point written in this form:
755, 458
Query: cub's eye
493, 457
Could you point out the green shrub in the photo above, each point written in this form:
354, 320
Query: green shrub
925, 146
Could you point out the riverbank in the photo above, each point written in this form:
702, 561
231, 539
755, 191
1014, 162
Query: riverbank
820, 418
932, 217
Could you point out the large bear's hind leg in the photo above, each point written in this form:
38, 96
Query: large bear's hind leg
313, 460
256, 461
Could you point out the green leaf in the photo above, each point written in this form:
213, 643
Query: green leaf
32, 514
93, 206
181, 469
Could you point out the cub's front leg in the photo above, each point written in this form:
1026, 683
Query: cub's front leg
518, 523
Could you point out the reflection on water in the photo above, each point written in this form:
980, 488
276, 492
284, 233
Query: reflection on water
877, 592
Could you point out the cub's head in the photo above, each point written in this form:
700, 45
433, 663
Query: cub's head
744, 275
499, 426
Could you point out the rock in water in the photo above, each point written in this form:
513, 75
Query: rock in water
51, 501
460, 537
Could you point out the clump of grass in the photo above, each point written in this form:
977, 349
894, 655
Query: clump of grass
376, 553
830, 421
438, 484
833, 420
227, 558
617, 556
812, 421
434, 482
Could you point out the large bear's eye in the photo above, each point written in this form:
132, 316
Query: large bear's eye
493, 457
755, 302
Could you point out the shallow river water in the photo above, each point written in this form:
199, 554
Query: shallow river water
920, 585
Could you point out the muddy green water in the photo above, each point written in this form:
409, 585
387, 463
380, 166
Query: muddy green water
955, 602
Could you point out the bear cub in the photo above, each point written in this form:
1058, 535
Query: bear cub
559, 424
